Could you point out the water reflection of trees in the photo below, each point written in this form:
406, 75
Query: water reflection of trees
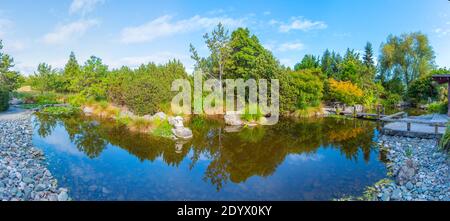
233, 157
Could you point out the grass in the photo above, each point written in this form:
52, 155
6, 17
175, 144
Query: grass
163, 128
308, 111
247, 116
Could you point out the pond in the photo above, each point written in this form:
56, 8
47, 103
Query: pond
306, 159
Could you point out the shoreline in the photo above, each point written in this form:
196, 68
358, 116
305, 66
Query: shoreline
24, 175
417, 171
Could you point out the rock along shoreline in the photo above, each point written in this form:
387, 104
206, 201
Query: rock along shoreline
23, 169
418, 171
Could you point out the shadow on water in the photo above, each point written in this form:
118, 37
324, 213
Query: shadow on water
231, 163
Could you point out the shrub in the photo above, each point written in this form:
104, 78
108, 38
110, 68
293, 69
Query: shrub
438, 107
46, 98
300, 90
60, 110
163, 128
4, 99
345, 92
143, 95
444, 143
392, 100
423, 89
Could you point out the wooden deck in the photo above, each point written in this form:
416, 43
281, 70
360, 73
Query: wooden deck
425, 126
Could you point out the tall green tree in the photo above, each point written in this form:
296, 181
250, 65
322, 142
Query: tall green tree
248, 58
368, 56
308, 61
406, 57
91, 80
44, 78
72, 71
218, 45
9, 79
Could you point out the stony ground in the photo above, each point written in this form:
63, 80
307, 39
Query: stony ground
23, 172
420, 170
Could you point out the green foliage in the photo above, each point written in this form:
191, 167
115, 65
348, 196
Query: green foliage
4, 98
248, 58
406, 57
144, 90
299, 90
392, 99
444, 143
247, 116
423, 89
72, 72
308, 62
9, 79
163, 129
438, 107
46, 98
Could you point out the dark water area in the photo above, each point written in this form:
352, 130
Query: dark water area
305, 159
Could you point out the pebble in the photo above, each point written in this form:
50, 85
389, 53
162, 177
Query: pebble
23, 171
431, 180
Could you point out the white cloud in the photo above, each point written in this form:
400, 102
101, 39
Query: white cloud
70, 31
441, 32
299, 24
291, 46
164, 26
84, 6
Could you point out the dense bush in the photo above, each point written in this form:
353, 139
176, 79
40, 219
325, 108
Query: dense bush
438, 107
300, 90
422, 90
4, 98
146, 89
345, 92
392, 99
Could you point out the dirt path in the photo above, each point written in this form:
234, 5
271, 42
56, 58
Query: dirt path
14, 113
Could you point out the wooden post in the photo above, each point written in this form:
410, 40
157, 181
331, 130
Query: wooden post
354, 111
378, 112
408, 126
436, 129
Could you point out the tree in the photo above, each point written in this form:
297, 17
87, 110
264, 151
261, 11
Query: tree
330, 63
91, 80
218, 46
406, 57
308, 61
248, 58
345, 91
43, 79
9, 79
72, 71
368, 56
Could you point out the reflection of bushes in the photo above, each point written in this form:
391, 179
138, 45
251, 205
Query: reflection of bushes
252, 135
234, 156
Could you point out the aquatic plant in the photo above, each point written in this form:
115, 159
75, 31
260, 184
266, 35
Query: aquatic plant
60, 110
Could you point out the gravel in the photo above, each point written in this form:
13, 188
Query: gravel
23, 170
418, 168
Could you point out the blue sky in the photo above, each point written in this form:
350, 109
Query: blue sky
138, 31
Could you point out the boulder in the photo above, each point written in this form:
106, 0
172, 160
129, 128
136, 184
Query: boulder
406, 172
177, 121
88, 110
182, 132
233, 120
160, 115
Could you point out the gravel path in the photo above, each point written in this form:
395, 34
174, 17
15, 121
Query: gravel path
23, 171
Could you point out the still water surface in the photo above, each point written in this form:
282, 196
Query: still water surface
307, 159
